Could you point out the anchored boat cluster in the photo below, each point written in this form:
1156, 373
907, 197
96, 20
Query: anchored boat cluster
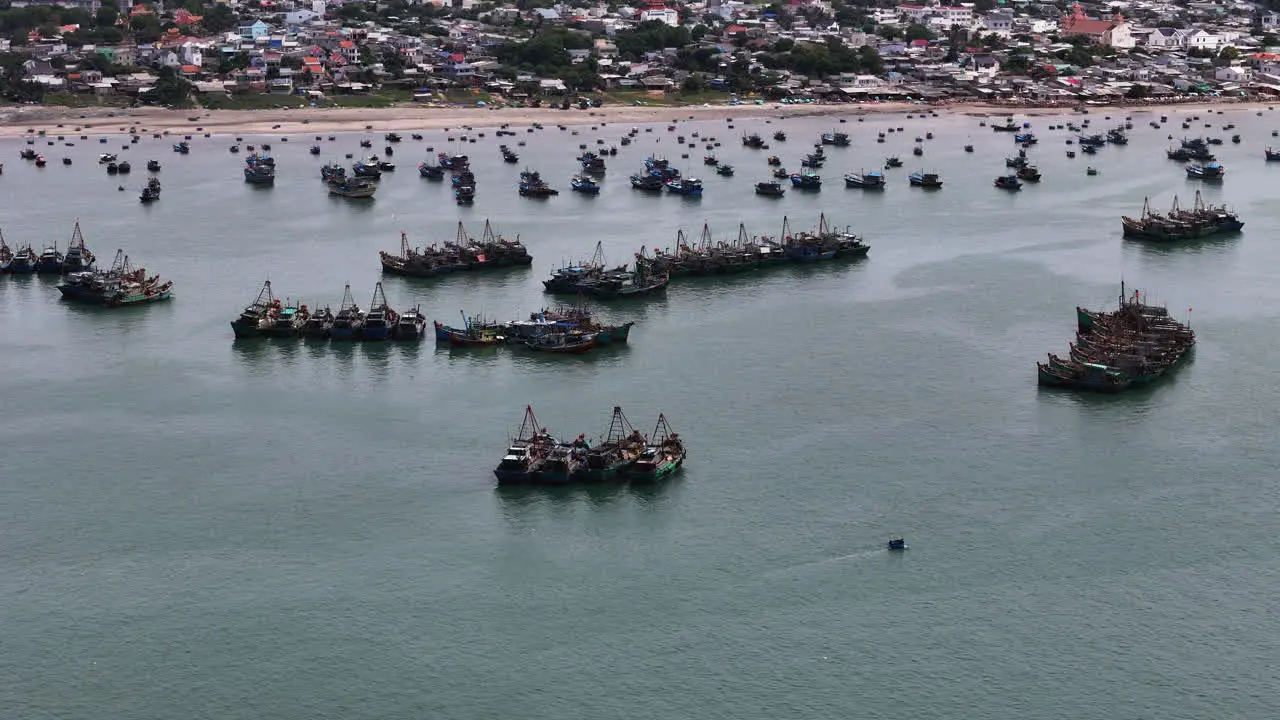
118, 286
1134, 345
464, 253
535, 457
267, 316
746, 253
1200, 221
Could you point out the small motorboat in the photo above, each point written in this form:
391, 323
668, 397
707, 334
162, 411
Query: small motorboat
1091, 171
770, 189
892, 162
1008, 182
897, 544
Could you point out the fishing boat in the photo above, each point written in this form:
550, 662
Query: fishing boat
806, 180
770, 189
613, 456
532, 185
6, 254
873, 180
153, 166
380, 322
1008, 126
151, 192
525, 452
253, 319
285, 320
431, 172
710, 160
780, 136
1027, 138
561, 463
125, 168
569, 343
78, 258
392, 137
1272, 155
40, 161
592, 163
464, 194
924, 179
354, 188
1211, 171
365, 170
318, 324
689, 187
259, 169
1008, 182
724, 170
647, 182
411, 325
838, 139
348, 324
753, 141
182, 148
893, 161
142, 292
585, 185
332, 171
103, 159
620, 284
23, 261
113, 168
663, 455
1029, 173
1091, 170
897, 544
314, 150
50, 261
474, 333
774, 161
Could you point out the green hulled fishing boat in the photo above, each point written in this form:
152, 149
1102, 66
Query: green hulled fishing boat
663, 454
621, 447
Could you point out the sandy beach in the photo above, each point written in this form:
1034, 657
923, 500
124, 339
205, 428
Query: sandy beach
18, 121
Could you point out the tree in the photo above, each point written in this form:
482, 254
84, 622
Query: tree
1228, 53
916, 31
145, 28
170, 88
219, 18
888, 32
692, 84
107, 16
1137, 91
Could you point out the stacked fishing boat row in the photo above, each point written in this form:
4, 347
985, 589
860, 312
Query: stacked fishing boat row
536, 457
708, 257
565, 330
1200, 221
268, 316
121, 285
1114, 351
595, 279
24, 260
464, 253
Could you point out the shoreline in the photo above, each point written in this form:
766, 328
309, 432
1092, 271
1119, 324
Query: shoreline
15, 122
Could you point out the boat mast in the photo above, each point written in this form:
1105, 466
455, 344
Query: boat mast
348, 302
786, 229
661, 431
374, 303
529, 428
704, 242
822, 224
619, 428
405, 250
77, 240
488, 237
462, 239
597, 258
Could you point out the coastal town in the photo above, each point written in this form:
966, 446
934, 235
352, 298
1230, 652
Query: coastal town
285, 54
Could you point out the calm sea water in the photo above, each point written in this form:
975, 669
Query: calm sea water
195, 527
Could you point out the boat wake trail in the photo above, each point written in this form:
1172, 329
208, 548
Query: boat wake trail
824, 561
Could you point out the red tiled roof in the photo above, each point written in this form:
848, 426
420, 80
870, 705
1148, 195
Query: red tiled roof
346, 44
1089, 27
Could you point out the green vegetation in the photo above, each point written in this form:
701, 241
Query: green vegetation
81, 100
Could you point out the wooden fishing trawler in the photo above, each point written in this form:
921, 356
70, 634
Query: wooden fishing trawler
1272, 155
663, 455
182, 148
648, 182
412, 325
770, 189
380, 322
135, 288
613, 456
348, 324
753, 141
151, 192
1029, 173
525, 451
23, 261
571, 318
622, 284
806, 180
285, 320
572, 279
689, 187
50, 261
1179, 225
1212, 172
1008, 182
1134, 345
355, 188
474, 333
253, 319
532, 185
564, 343
1008, 126
259, 169
318, 324
924, 180
431, 172
332, 171
561, 463
584, 185
78, 258
873, 180
592, 163
365, 170
6, 255
837, 139
463, 254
